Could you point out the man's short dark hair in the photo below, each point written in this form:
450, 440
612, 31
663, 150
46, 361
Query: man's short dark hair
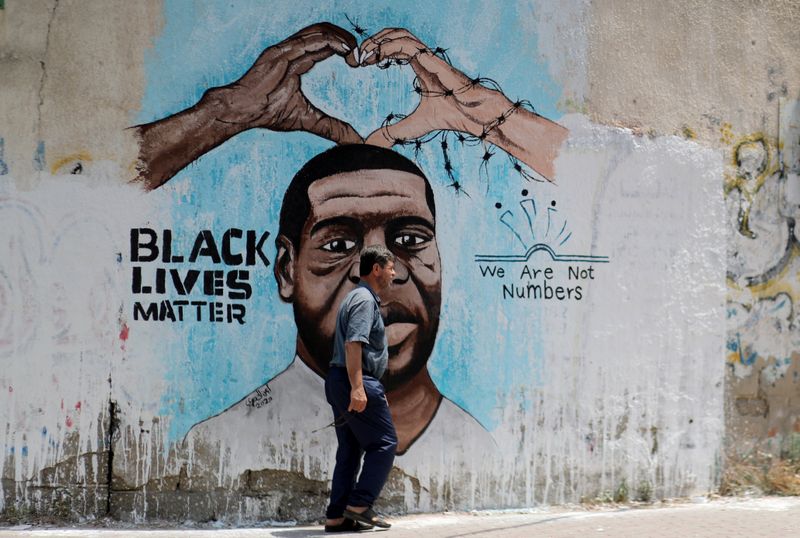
371, 255
337, 160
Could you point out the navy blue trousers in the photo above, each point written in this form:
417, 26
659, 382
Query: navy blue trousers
369, 434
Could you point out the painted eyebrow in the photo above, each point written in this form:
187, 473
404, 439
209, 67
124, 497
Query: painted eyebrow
399, 222
369, 195
336, 221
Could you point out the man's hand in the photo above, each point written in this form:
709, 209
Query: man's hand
358, 400
449, 100
269, 96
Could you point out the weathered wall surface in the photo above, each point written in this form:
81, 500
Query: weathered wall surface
162, 326
732, 83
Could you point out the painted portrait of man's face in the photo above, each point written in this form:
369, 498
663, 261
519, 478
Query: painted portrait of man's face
348, 211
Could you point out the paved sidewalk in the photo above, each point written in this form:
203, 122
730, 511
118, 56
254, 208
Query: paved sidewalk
773, 517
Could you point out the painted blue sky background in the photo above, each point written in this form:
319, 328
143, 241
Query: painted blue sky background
485, 347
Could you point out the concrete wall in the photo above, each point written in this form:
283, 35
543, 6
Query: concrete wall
725, 76
602, 302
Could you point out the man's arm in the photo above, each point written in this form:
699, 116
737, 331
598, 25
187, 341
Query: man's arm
358, 398
267, 96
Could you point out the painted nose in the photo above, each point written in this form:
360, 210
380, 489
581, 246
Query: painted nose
375, 237
400, 272
353, 275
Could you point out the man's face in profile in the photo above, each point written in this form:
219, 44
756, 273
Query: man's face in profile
349, 211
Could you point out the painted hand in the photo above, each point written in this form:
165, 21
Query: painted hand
449, 100
269, 95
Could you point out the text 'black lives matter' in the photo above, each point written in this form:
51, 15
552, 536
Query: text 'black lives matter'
210, 284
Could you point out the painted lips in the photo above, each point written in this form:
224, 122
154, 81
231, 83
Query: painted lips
400, 323
396, 333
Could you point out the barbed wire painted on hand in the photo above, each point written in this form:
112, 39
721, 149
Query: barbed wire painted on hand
443, 135
464, 139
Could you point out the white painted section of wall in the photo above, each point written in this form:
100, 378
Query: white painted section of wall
62, 290
633, 381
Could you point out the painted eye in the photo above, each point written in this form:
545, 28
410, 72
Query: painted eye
409, 240
339, 245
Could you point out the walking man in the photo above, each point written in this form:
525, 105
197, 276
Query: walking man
353, 388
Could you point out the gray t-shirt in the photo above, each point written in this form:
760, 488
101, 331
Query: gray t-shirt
359, 320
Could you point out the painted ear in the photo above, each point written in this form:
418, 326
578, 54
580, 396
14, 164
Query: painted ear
284, 268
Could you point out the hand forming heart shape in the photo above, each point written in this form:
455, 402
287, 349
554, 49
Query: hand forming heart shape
269, 95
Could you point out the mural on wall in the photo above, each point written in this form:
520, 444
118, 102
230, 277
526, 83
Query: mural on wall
557, 317
338, 202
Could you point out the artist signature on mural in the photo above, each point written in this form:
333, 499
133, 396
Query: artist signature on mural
261, 397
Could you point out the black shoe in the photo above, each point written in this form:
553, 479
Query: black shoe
367, 517
348, 525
